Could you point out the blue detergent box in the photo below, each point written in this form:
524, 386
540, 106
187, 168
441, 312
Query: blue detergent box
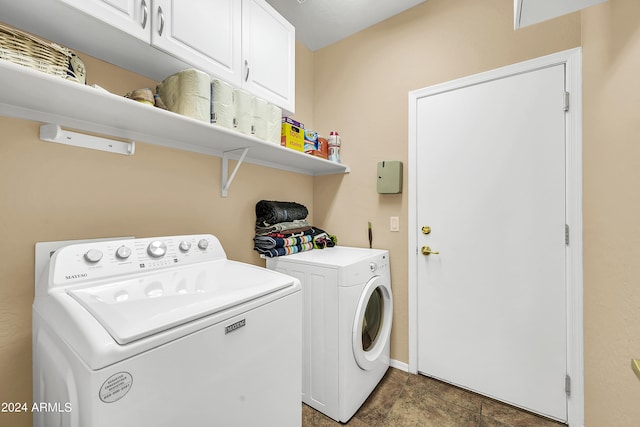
310, 140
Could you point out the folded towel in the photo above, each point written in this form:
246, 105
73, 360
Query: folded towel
296, 232
282, 226
273, 212
188, 93
324, 240
288, 250
265, 242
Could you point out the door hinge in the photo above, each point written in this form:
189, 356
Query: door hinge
566, 101
567, 384
566, 234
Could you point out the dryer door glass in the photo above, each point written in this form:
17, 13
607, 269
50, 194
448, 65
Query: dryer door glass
372, 321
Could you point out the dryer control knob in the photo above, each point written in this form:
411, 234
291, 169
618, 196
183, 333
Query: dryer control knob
185, 246
93, 255
203, 244
123, 252
157, 249
373, 267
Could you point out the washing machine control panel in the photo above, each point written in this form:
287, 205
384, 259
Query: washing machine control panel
379, 265
103, 259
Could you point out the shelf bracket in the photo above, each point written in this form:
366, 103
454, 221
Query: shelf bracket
226, 178
54, 133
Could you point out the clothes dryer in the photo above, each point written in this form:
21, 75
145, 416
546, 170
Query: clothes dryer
347, 311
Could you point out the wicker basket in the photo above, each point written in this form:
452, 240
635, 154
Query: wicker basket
30, 51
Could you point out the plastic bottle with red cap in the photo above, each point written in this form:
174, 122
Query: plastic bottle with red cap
334, 146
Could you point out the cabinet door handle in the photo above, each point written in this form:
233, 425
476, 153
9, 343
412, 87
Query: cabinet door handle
145, 13
246, 65
161, 17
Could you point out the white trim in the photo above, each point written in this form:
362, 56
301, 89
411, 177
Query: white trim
572, 59
399, 365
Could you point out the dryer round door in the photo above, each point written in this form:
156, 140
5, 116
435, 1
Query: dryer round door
372, 326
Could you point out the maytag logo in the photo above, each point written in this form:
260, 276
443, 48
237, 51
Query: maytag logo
76, 276
235, 326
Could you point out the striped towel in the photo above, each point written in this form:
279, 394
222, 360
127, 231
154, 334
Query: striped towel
266, 242
286, 250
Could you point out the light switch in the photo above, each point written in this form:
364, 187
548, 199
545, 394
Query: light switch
394, 223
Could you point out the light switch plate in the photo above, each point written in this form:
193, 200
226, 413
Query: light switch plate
394, 223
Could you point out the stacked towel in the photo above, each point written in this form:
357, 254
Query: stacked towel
282, 229
271, 212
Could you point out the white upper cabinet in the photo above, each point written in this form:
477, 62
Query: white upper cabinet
243, 42
268, 49
528, 12
130, 16
204, 33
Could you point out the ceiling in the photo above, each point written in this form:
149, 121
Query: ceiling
320, 23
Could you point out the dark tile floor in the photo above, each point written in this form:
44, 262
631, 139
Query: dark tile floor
405, 400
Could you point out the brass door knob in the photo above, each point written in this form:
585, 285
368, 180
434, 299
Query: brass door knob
426, 250
426, 229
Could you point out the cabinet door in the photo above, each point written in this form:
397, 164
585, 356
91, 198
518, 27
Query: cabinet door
130, 16
268, 48
528, 12
203, 33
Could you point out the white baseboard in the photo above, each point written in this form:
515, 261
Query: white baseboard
399, 365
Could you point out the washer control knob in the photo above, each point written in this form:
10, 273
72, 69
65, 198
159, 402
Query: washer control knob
157, 249
93, 255
373, 267
185, 246
123, 252
203, 244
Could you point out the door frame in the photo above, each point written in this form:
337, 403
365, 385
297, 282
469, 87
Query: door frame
572, 60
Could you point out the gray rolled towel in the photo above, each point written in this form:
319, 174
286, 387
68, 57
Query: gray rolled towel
270, 212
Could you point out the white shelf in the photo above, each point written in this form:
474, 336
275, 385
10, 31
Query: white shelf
33, 95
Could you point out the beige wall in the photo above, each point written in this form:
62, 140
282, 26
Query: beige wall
361, 91
362, 86
611, 126
359, 87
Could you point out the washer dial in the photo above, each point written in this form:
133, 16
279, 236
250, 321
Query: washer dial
93, 255
157, 249
123, 252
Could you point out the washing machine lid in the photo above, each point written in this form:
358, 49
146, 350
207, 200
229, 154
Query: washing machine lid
140, 307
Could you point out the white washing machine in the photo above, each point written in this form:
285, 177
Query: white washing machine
163, 332
347, 312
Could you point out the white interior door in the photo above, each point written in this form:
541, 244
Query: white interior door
490, 173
